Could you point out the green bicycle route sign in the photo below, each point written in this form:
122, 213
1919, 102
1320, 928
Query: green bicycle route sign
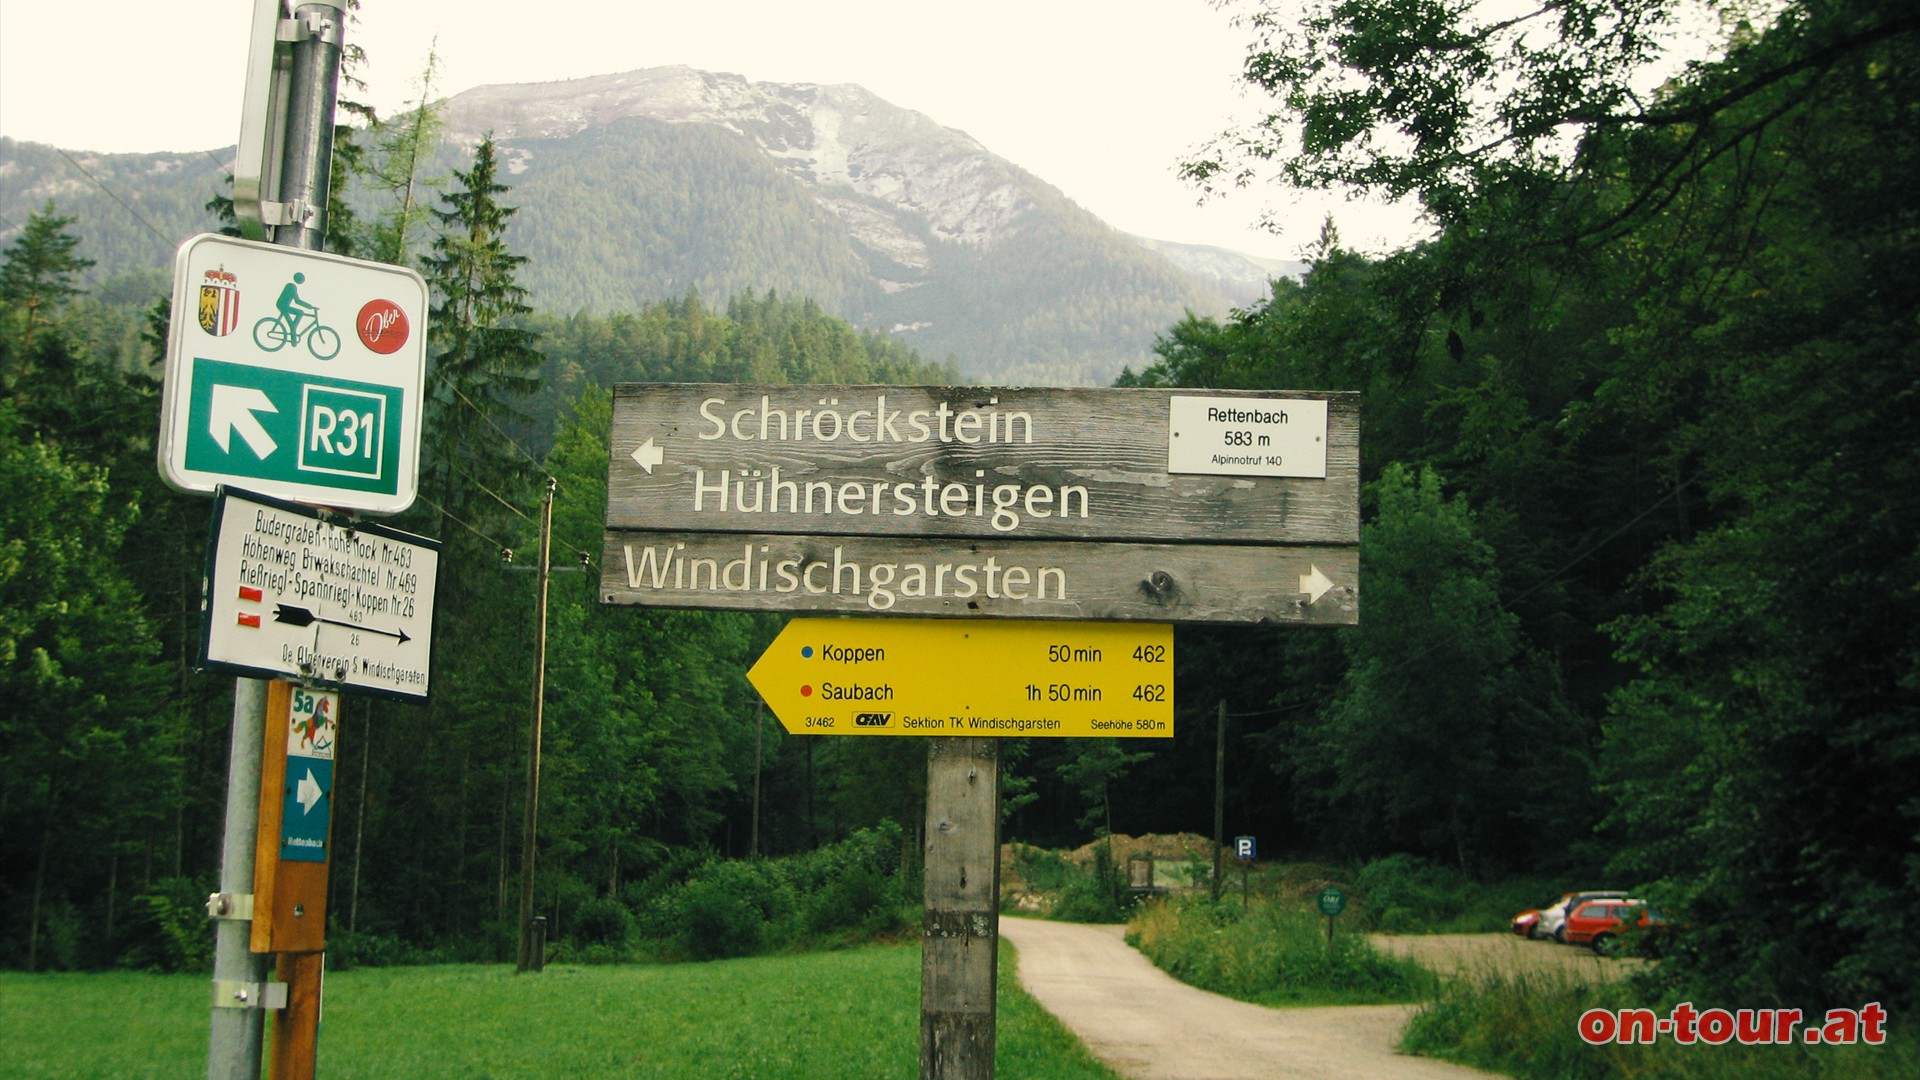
294, 373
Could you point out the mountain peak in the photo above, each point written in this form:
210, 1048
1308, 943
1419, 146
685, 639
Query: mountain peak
838, 138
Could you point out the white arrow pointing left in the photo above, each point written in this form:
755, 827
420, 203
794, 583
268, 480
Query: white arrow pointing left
649, 455
233, 409
308, 792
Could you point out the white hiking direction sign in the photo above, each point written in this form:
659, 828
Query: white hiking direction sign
294, 373
293, 593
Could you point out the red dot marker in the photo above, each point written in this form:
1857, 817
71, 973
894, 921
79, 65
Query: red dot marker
806, 691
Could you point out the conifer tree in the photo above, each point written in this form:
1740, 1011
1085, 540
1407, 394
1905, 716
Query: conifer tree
36, 278
402, 148
484, 363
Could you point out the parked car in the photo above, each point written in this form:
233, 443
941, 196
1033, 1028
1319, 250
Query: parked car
1527, 922
1553, 917
1599, 923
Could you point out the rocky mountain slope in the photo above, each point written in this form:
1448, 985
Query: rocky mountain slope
656, 183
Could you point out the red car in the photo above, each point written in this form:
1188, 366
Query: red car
1550, 921
1597, 923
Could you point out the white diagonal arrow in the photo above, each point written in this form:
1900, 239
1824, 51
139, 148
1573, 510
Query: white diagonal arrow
1314, 583
649, 455
232, 410
308, 793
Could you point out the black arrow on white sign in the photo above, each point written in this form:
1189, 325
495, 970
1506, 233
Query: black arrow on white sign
299, 616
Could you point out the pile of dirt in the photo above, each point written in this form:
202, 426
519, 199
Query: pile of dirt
1181, 847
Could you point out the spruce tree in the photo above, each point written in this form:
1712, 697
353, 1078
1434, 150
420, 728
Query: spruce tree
484, 362
36, 278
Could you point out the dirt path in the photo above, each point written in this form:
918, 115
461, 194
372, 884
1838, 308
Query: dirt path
1147, 1025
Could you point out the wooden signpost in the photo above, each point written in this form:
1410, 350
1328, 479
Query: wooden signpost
978, 503
1032, 579
982, 502
291, 859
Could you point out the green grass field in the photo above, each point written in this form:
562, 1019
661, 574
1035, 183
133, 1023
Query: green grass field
851, 1014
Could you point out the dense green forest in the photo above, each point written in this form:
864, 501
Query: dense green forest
1641, 591
1640, 597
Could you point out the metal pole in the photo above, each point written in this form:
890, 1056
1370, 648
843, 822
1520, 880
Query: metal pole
1219, 792
529, 842
360, 824
236, 1034
239, 974
314, 88
759, 725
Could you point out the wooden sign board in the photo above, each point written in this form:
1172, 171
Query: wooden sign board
1136, 465
1031, 503
295, 823
1216, 583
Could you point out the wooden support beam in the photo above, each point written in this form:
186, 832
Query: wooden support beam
959, 963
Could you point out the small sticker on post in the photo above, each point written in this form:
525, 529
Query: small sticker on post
1247, 436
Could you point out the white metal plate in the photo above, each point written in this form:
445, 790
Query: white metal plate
1240, 436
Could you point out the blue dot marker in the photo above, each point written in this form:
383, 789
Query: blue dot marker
806, 652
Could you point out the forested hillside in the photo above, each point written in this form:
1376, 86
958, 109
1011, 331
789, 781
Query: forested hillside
682, 189
113, 751
641, 209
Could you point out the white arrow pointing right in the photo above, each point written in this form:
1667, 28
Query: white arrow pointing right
308, 792
232, 410
1314, 583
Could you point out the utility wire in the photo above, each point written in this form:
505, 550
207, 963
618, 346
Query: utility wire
585, 556
482, 414
456, 519
495, 496
97, 182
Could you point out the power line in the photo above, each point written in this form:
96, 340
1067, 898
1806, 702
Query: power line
585, 556
456, 519
1603, 542
495, 496
482, 414
97, 182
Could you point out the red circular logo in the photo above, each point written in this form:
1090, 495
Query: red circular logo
382, 326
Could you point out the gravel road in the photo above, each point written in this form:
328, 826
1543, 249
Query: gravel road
1147, 1025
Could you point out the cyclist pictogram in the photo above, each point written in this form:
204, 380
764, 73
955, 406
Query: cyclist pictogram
285, 328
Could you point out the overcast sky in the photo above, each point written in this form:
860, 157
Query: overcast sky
1097, 97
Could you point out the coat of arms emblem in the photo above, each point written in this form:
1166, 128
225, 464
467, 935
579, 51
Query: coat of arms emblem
219, 302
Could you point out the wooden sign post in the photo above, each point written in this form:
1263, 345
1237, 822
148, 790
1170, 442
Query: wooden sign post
982, 502
291, 859
959, 967
960, 502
